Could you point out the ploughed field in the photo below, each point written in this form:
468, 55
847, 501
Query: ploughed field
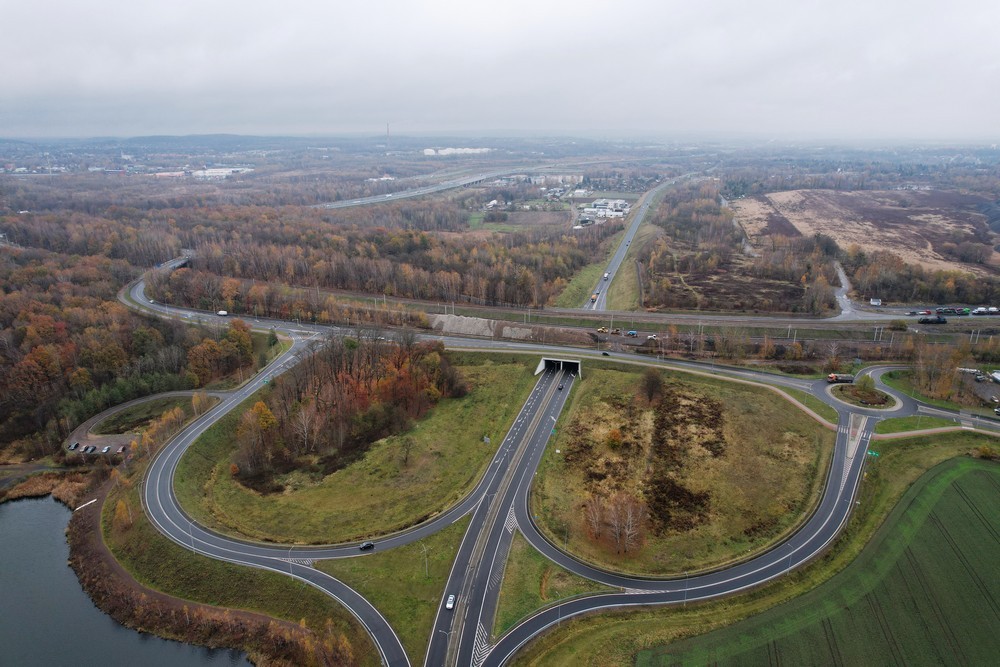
926, 591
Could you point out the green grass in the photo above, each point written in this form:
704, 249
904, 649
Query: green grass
162, 565
531, 581
138, 416
377, 494
624, 291
902, 382
401, 584
581, 286
924, 591
616, 638
476, 220
813, 403
769, 477
915, 423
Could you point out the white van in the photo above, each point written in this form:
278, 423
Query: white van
222, 313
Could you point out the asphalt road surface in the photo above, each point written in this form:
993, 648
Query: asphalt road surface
499, 503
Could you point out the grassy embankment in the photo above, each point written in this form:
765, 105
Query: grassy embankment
581, 286
624, 291
531, 581
138, 416
762, 485
377, 494
813, 403
160, 564
915, 423
919, 593
406, 584
615, 639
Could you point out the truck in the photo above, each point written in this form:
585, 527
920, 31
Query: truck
607, 275
222, 313
593, 297
833, 378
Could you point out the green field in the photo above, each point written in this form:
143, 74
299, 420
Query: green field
925, 591
531, 581
406, 584
377, 494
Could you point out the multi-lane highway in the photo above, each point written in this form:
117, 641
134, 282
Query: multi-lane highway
499, 504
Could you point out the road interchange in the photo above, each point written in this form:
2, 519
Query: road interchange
499, 504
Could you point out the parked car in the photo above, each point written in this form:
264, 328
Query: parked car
602, 330
932, 320
74, 446
121, 450
90, 449
106, 449
367, 546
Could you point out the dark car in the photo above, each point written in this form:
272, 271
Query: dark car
74, 446
90, 449
932, 320
367, 546
605, 354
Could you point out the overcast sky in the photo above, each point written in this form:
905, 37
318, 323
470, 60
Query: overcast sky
869, 69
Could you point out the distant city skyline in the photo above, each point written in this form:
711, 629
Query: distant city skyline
852, 70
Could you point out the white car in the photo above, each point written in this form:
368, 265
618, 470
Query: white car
450, 603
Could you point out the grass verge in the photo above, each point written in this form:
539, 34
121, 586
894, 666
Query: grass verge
916, 570
531, 581
624, 291
406, 584
915, 423
377, 494
581, 286
160, 564
813, 403
616, 638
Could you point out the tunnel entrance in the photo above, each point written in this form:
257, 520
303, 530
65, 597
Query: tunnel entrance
572, 365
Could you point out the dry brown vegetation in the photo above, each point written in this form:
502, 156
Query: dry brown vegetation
932, 229
707, 471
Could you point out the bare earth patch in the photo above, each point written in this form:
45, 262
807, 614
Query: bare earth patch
912, 224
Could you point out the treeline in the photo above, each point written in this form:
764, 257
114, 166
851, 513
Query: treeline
347, 394
885, 275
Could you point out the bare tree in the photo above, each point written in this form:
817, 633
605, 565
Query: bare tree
595, 515
616, 522
632, 521
304, 425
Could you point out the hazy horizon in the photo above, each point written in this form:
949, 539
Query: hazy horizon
889, 72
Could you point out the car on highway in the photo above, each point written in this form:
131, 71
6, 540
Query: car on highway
367, 546
74, 446
605, 354
560, 386
450, 602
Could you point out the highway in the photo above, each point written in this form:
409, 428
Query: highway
499, 502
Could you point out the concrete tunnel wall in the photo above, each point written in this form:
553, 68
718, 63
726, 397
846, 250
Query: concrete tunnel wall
573, 365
